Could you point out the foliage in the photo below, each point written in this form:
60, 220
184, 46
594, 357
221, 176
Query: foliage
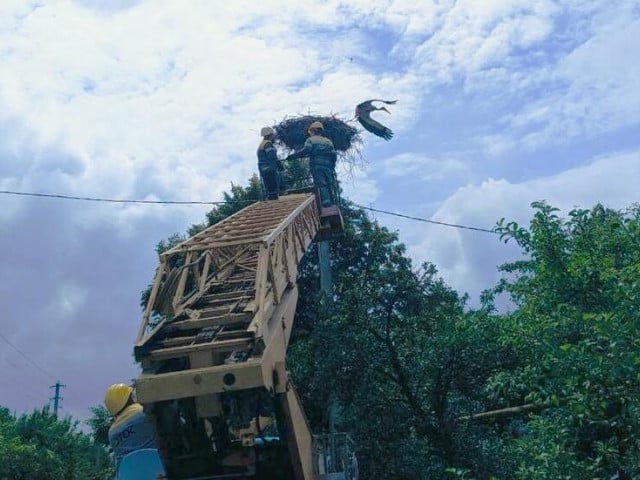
396, 352
402, 357
239, 198
99, 423
576, 327
401, 364
236, 200
39, 445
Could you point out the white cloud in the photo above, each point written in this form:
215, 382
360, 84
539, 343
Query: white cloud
468, 260
152, 100
420, 167
590, 91
66, 301
170, 94
357, 185
598, 92
477, 35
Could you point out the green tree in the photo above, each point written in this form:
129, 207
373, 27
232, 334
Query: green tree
99, 423
407, 365
399, 354
394, 350
39, 445
239, 198
576, 328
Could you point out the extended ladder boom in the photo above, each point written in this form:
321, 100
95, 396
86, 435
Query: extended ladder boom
216, 326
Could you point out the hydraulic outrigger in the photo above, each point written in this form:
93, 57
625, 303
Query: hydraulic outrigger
212, 347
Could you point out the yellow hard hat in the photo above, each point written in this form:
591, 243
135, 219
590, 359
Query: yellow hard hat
117, 396
316, 126
267, 131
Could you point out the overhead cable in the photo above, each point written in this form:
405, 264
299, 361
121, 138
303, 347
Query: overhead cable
111, 200
435, 222
24, 355
198, 202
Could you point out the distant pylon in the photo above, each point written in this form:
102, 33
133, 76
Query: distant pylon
57, 398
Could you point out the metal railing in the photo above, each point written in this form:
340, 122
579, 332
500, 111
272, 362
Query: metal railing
334, 457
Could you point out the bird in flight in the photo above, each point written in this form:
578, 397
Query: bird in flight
363, 115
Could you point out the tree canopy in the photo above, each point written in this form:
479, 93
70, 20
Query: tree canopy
576, 332
40, 445
408, 367
431, 389
427, 387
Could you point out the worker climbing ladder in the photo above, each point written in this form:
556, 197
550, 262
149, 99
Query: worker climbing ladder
212, 346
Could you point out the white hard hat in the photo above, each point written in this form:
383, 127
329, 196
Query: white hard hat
267, 131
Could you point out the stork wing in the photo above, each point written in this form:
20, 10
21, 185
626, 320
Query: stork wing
368, 102
388, 102
375, 127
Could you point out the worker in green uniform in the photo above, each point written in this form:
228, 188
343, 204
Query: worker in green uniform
132, 429
268, 164
322, 161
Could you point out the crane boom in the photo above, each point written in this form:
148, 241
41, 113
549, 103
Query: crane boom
213, 341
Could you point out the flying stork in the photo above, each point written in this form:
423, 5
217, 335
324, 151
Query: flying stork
363, 115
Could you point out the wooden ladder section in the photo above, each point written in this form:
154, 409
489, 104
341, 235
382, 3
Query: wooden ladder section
220, 313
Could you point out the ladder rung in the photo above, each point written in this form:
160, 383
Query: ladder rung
183, 351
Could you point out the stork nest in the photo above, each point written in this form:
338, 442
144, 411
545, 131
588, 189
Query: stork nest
292, 132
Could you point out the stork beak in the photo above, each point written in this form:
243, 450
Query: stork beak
384, 108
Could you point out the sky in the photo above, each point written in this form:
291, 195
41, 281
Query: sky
500, 103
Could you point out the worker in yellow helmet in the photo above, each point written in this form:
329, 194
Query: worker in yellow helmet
322, 160
268, 164
132, 429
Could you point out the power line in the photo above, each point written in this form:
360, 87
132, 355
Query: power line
24, 355
33, 363
28, 389
455, 225
194, 202
112, 200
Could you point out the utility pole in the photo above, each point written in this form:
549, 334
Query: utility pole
326, 282
326, 286
56, 399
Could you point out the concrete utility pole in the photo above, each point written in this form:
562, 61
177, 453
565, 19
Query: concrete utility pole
56, 399
326, 282
326, 286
